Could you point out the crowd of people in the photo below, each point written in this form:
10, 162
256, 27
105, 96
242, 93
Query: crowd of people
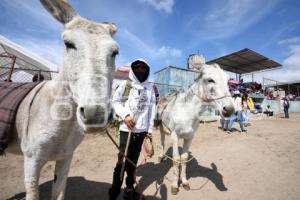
244, 107
249, 87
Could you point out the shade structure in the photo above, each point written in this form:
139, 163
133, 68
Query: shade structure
245, 61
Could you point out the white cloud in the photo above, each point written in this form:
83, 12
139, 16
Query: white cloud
147, 51
291, 40
293, 59
279, 32
166, 51
31, 9
279, 75
164, 5
136, 44
229, 18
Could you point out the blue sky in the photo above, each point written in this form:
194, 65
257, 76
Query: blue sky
166, 32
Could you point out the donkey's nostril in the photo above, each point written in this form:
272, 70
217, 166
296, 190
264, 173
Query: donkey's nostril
93, 114
81, 110
224, 108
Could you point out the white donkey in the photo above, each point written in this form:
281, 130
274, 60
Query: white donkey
180, 115
53, 118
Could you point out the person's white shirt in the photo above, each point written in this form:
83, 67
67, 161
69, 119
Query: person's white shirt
140, 104
237, 103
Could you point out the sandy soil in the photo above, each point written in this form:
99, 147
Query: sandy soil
262, 164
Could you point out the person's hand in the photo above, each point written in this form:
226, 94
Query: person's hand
149, 135
129, 122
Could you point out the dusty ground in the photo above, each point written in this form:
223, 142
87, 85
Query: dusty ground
262, 164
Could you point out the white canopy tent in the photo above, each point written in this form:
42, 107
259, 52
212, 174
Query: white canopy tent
22, 61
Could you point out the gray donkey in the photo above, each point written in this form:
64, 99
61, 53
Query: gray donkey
53, 118
180, 115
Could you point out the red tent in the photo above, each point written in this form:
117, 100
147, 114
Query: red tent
122, 72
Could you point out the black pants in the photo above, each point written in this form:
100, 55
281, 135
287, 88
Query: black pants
286, 112
269, 113
134, 150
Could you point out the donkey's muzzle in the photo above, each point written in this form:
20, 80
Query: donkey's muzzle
94, 116
227, 111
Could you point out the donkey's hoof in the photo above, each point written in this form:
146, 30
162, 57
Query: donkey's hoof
174, 190
186, 186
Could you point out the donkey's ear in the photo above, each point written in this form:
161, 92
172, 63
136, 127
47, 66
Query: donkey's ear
60, 9
111, 27
216, 65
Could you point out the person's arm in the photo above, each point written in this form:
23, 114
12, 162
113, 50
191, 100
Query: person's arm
152, 111
117, 103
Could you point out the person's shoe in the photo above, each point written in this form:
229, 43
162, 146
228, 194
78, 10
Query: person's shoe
113, 195
131, 194
244, 131
229, 131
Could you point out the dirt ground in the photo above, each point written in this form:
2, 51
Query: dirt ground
262, 164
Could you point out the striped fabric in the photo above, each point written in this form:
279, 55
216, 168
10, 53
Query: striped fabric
11, 95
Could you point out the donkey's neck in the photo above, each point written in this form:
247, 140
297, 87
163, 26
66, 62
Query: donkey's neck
193, 96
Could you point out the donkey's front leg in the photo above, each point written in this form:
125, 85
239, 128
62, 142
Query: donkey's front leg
184, 157
162, 144
176, 163
60, 178
32, 169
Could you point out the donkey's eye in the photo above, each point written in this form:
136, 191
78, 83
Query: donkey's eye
210, 81
70, 45
114, 53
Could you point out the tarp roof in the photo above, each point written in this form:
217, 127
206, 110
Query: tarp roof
24, 59
245, 61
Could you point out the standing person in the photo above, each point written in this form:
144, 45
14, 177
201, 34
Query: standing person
223, 124
286, 106
268, 111
238, 114
137, 113
250, 103
247, 106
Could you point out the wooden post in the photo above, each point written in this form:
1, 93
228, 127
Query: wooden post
11, 68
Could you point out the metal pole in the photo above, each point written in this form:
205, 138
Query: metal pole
252, 77
11, 68
39, 75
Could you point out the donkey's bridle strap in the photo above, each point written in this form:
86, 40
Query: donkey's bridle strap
209, 100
